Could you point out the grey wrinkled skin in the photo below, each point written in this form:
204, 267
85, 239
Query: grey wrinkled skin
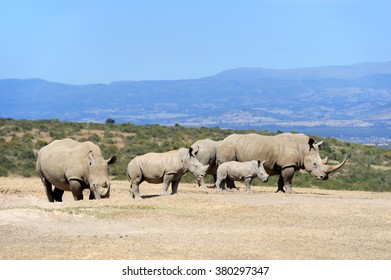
205, 151
284, 154
241, 171
166, 168
69, 165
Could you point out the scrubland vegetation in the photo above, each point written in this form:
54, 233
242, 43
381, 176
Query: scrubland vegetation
368, 168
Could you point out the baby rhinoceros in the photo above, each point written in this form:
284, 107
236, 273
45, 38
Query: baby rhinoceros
241, 171
167, 168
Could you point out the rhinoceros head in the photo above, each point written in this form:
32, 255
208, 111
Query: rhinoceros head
98, 174
195, 166
315, 165
261, 172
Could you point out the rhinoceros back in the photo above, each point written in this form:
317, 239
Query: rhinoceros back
62, 159
242, 147
153, 166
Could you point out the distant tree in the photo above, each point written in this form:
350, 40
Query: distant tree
110, 121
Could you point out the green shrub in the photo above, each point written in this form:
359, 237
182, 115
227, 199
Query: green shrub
18, 140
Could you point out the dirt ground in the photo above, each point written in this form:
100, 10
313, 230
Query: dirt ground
196, 224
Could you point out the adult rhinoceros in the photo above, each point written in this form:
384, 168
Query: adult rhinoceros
283, 155
167, 168
73, 166
205, 151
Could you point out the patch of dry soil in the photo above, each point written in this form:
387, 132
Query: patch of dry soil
196, 224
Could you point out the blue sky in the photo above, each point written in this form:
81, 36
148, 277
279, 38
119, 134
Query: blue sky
82, 42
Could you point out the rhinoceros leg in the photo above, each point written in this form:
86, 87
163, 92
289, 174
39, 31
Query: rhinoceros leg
135, 191
247, 182
167, 179
201, 183
285, 180
220, 183
76, 189
48, 189
174, 186
57, 194
214, 179
92, 196
231, 184
280, 184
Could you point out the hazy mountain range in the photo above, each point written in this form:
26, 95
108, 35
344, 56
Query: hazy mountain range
340, 101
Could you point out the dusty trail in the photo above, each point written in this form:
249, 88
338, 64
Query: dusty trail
196, 224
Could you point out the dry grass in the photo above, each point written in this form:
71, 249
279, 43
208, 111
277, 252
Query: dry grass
196, 224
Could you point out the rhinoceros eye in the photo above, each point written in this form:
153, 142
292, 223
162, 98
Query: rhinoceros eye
315, 165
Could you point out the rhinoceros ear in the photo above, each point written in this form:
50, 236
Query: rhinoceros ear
111, 160
191, 152
311, 143
91, 157
319, 144
195, 150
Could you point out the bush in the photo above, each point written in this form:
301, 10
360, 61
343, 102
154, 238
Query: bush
40, 144
18, 140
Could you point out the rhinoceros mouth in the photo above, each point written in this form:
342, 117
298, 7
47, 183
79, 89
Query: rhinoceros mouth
322, 177
200, 177
100, 191
104, 191
107, 194
264, 178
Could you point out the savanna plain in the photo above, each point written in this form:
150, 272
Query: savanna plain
198, 223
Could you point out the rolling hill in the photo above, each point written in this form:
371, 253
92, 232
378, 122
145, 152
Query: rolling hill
348, 102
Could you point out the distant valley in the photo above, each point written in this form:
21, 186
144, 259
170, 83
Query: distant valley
351, 102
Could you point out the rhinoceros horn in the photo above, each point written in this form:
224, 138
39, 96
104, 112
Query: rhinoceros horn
325, 160
331, 168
